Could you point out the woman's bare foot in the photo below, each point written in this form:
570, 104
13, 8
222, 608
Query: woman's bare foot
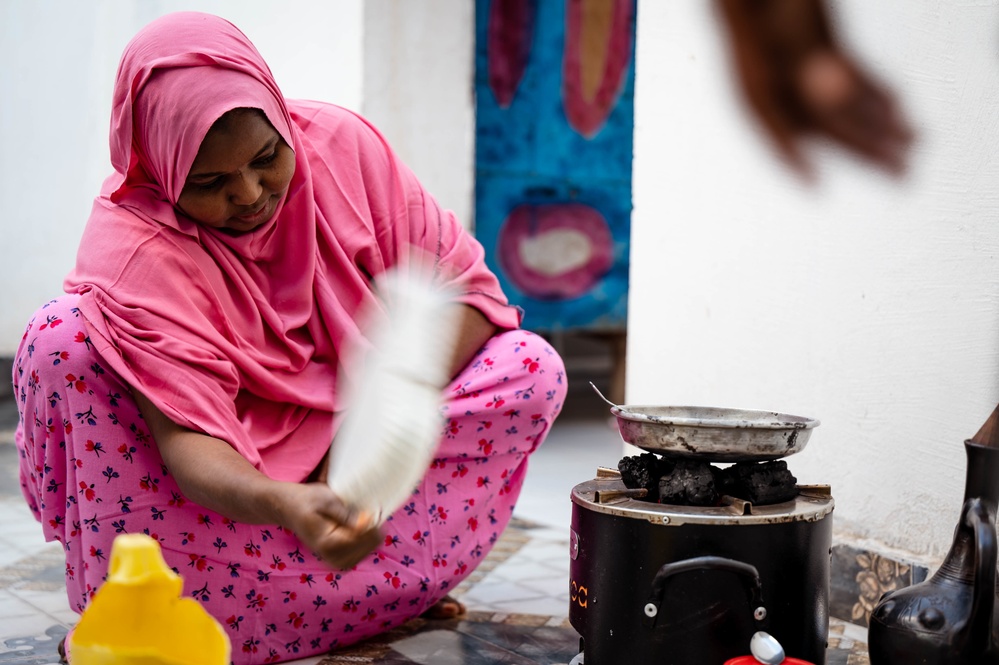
445, 608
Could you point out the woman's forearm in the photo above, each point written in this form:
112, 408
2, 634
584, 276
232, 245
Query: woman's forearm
474, 330
211, 473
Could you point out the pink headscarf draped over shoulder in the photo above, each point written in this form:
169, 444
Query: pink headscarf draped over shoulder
239, 336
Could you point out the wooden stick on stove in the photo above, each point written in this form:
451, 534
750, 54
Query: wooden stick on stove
988, 435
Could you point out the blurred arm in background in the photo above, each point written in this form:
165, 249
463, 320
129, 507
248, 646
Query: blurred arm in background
799, 82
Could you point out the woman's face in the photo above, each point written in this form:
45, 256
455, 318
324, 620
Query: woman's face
242, 171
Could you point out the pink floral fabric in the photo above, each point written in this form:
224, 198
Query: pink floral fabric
90, 471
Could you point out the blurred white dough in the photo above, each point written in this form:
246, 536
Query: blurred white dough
393, 422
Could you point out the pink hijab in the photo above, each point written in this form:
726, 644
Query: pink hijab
239, 336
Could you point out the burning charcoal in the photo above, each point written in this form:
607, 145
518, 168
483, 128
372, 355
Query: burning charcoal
691, 483
760, 484
643, 471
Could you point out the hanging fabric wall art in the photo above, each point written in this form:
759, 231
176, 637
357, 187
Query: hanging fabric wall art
554, 123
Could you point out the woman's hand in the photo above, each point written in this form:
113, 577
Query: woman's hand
212, 474
341, 536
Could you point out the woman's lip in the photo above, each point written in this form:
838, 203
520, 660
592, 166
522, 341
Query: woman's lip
255, 217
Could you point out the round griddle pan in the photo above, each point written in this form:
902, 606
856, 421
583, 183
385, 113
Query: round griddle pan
712, 434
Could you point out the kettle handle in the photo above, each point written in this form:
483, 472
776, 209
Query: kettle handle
747, 572
976, 517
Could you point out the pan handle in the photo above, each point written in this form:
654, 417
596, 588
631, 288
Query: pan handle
597, 391
746, 572
620, 409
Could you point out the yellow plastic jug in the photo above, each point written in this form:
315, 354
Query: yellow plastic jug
138, 617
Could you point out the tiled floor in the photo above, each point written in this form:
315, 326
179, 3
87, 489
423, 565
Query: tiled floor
518, 598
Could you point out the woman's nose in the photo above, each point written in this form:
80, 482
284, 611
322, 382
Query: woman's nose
246, 188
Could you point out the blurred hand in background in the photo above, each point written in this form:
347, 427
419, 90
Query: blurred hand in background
800, 83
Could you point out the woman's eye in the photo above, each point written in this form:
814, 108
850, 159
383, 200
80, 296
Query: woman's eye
214, 183
264, 161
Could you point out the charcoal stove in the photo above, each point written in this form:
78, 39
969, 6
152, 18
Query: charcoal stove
679, 585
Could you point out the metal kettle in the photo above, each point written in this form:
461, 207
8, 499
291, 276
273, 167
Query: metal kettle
950, 618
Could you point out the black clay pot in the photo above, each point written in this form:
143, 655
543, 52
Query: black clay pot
948, 619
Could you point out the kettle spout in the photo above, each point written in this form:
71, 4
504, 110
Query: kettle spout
988, 435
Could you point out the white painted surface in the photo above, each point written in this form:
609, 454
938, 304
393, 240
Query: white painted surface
870, 304
418, 90
59, 59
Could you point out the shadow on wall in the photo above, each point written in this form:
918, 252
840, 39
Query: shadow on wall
8, 407
6, 385
591, 357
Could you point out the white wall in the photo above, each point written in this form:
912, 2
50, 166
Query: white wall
418, 90
58, 60
870, 304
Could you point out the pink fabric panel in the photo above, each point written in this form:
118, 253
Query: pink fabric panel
510, 34
587, 114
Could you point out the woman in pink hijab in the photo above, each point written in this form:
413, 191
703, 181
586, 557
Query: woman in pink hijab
186, 386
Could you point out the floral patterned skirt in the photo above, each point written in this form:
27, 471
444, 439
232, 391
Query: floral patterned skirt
90, 470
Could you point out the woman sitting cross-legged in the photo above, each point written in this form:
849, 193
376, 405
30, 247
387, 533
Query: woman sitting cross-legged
188, 384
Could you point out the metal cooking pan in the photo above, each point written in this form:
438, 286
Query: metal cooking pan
712, 434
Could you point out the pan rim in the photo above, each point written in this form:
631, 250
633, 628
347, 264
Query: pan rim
726, 418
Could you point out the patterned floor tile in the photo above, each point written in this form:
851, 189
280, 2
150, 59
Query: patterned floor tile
477, 639
35, 650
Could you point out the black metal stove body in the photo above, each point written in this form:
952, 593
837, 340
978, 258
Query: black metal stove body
673, 585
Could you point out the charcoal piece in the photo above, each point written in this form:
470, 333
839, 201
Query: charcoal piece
759, 483
638, 471
728, 483
691, 483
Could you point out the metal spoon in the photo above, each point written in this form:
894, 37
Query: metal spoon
610, 403
766, 649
